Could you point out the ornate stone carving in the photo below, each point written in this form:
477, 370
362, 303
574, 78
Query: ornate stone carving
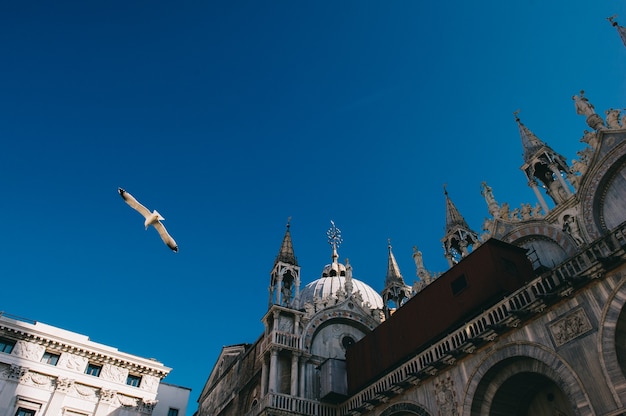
37, 380
85, 392
28, 350
584, 107
16, 372
127, 401
72, 362
582, 104
612, 118
114, 373
149, 383
64, 384
591, 138
570, 226
446, 397
147, 406
570, 326
107, 396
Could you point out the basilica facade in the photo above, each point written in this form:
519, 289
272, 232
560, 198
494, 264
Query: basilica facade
552, 343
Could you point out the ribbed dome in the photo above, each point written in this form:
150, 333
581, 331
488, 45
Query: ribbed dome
327, 285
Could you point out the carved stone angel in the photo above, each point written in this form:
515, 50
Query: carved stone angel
612, 118
583, 106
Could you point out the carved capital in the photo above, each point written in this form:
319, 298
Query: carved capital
16, 372
147, 406
63, 385
107, 396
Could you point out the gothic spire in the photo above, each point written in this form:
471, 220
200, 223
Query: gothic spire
530, 143
286, 253
543, 167
459, 236
454, 219
396, 292
284, 287
393, 271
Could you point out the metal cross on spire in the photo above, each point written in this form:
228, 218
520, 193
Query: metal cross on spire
334, 235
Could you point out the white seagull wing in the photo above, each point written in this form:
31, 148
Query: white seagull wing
167, 239
130, 200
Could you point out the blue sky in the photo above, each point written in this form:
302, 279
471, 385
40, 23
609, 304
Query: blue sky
231, 116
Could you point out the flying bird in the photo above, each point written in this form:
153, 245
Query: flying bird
152, 218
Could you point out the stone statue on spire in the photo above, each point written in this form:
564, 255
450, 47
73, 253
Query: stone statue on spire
582, 104
492, 204
584, 107
612, 118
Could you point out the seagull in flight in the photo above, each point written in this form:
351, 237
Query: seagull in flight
152, 218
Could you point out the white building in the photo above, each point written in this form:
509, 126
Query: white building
46, 370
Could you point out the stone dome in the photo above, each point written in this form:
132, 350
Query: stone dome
329, 284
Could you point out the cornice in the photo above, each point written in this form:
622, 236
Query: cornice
97, 353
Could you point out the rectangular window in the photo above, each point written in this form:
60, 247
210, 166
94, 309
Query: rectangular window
26, 407
24, 412
458, 284
172, 412
93, 370
50, 358
133, 380
6, 345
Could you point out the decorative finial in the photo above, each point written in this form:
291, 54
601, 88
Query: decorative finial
288, 221
334, 235
611, 19
445, 191
516, 114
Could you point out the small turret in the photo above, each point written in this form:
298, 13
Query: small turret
396, 292
285, 276
459, 238
543, 167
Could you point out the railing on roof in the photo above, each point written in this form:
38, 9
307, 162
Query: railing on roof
17, 318
508, 313
281, 339
296, 405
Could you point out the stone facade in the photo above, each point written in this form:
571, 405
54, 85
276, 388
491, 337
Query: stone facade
45, 370
557, 346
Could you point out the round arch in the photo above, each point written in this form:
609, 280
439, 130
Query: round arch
514, 365
558, 240
612, 330
405, 409
598, 190
352, 318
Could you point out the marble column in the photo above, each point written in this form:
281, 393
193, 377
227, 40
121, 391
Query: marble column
294, 374
540, 198
273, 371
264, 377
103, 408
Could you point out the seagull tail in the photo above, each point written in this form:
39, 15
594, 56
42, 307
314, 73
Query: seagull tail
159, 216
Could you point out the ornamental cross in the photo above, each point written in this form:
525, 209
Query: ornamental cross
334, 235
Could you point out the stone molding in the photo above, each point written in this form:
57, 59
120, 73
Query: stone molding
529, 357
